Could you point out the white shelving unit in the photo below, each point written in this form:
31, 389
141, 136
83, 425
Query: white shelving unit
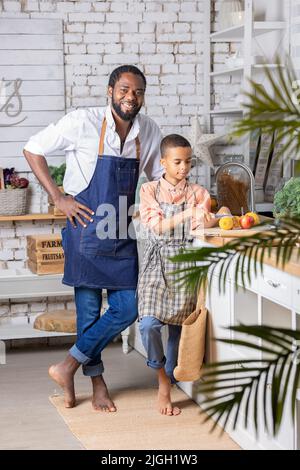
22, 284
244, 33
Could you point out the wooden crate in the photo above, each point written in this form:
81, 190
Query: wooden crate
45, 254
49, 256
52, 209
46, 243
45, 267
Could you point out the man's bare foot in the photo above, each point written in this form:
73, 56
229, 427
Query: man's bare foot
101, 400
63, 374
165, 406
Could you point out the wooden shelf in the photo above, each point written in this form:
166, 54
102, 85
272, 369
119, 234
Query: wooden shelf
231, 71
236, 33
226, 111
227, 71
12, 218
264, 206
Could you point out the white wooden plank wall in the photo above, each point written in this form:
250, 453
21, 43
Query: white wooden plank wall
31, 84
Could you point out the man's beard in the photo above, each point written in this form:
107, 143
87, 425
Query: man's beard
129, 116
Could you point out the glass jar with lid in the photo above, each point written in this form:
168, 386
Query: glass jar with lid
235, 187
231, 13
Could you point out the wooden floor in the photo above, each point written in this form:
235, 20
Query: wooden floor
28, 419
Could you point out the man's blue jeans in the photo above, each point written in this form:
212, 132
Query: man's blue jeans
94, 332
150, 328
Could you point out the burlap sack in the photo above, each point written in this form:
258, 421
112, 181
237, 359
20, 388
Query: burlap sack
192, 343
63, 321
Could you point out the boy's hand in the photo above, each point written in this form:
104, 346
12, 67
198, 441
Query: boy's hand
202, 215
202, 219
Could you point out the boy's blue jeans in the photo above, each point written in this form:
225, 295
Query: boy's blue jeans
94, 332
150, 328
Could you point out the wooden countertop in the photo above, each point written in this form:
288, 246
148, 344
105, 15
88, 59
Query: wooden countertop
218, 237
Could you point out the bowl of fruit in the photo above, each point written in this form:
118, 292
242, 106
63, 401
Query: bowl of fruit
13, 193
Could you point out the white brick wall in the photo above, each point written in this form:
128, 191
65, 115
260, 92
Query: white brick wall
110, 33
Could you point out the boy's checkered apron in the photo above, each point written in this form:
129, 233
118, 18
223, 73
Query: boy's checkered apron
158, 293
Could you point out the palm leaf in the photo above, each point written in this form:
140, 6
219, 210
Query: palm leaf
278, 369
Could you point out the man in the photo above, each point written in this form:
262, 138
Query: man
106, 150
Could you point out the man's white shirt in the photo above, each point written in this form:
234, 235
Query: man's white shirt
78, 133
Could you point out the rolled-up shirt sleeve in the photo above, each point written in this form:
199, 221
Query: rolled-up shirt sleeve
150, 211
56, 137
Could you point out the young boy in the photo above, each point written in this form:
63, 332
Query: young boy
169, 208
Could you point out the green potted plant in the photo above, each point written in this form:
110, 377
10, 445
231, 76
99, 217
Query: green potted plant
57, 174
287, 200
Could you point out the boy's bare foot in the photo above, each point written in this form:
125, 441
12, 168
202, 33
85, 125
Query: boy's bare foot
63, 375
101, 400
165, 406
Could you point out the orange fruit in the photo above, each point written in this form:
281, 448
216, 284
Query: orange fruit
255, 217
226, 223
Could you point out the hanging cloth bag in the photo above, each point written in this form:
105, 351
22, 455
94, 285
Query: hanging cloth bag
192, 343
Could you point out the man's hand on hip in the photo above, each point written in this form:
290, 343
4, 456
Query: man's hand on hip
73, 210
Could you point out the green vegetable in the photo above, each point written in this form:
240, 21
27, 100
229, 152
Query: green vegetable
58, 173
287, 201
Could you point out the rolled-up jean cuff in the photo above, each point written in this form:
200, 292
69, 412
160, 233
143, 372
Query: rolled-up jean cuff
78, 355
156, 364
93, 371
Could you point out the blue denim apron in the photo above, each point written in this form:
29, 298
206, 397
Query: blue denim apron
109, 263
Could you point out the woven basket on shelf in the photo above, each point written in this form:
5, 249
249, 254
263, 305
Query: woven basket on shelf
13, 201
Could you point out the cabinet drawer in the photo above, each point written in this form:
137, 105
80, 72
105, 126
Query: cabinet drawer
276, 285
296, 293
253, 284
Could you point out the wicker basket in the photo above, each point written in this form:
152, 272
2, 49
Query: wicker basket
13, 201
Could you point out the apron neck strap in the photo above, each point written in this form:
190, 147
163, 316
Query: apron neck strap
102, 135
101, 141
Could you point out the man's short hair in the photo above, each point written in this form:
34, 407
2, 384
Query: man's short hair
116, 74
171, 141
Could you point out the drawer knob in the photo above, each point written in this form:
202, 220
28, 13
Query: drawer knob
273, 283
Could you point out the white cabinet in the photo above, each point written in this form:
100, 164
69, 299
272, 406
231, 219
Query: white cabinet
276, 285
296, 293
219, 317
269, 303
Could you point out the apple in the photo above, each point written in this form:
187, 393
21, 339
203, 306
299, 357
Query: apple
23, 183
246, 221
